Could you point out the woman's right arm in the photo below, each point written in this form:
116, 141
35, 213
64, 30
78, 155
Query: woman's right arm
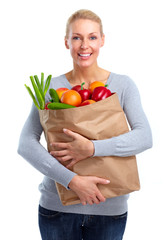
31, 150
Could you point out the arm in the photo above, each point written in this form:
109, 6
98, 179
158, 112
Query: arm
31, 150
138, 139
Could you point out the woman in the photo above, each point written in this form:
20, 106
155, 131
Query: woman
95, 217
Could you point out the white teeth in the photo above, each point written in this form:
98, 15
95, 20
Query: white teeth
85, 55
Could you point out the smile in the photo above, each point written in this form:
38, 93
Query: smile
84, 55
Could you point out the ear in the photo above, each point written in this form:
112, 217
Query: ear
103, 40
66, 43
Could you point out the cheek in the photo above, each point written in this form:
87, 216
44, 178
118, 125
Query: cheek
96, 49
74, 49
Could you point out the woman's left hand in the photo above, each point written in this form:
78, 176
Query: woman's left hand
78, 149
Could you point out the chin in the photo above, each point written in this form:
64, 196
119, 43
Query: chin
85, 64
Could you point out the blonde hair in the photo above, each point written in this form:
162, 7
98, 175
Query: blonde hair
84, 14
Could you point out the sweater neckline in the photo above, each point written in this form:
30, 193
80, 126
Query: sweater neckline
70, 86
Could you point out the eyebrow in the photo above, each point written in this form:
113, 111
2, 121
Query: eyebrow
89, 33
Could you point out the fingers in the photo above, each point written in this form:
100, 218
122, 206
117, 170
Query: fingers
100, 197
61, 156
95, 200
59, 145
58, 153
83, 203
87, 190
70, 133
101, 180
91, 201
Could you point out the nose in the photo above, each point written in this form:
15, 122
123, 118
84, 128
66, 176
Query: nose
84, 44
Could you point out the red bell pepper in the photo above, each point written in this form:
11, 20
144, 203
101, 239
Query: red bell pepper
77, 88
85, 93
47, 105
100, 93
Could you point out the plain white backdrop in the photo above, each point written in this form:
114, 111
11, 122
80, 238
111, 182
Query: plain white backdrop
32, 41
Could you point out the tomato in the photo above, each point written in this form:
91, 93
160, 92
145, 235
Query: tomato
95, 84
71, 97
60, 91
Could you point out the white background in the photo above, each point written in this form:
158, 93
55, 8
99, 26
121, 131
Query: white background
32, 41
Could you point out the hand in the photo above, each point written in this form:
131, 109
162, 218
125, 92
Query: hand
78, 149
86, 188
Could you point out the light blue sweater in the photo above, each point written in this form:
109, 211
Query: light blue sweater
137, 140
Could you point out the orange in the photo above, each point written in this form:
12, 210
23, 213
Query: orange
71, 97
95, 84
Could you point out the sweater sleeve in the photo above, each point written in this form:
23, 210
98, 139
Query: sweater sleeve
31, 150
135, 141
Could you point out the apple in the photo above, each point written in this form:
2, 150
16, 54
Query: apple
60, 91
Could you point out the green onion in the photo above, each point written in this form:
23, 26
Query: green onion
38, 94
47, 84
42, 81
40, 90
33, 97
39, 86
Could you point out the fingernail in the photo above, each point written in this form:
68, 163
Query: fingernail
108, 181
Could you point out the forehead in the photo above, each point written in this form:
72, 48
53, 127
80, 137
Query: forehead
84, 26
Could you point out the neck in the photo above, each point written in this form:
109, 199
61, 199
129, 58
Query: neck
87, 75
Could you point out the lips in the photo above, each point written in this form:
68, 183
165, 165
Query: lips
84, 54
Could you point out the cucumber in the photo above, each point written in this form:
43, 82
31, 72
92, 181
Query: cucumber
54, 95
57, 105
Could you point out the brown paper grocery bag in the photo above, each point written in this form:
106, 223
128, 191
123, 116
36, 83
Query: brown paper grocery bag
100, 120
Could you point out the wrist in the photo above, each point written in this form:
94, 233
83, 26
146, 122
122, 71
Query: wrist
73, 182
91, 149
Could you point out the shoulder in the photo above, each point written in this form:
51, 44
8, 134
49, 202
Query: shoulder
123, 79
58, 81
124, 86
123, 83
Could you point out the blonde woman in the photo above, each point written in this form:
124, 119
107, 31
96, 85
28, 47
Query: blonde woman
95, 217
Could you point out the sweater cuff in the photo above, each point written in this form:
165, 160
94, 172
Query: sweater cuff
68, 180
106, 147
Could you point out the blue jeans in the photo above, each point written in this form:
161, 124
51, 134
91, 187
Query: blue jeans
55, 225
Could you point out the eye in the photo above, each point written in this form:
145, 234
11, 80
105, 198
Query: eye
93, 38
76, 38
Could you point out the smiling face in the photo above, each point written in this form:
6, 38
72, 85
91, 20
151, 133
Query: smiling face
84, 41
